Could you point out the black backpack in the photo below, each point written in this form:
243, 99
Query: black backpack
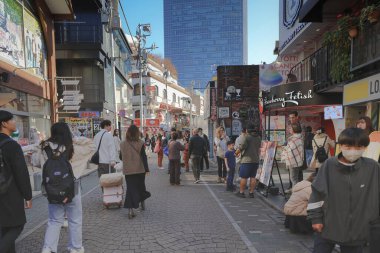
5, 175
58, 177
320, 153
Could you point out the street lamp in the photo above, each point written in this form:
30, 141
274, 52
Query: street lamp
143, 31
166, 75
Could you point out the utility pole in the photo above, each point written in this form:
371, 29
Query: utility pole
143, 31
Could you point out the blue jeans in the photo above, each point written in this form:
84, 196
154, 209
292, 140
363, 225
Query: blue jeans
230, 179
57, 212
309, 156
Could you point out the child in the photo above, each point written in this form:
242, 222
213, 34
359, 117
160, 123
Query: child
230, 161
345, 196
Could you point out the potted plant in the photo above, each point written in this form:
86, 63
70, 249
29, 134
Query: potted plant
370, 13
349, 24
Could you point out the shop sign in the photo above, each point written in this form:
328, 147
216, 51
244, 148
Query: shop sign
232, 94
223, 112
236, 127
291, 11
361, 91
292, 97
89, 114
148, 122
243, 112
213, 107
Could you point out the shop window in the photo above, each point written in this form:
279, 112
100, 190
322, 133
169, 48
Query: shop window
174, 98
13, 100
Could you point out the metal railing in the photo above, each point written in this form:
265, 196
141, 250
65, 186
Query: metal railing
78, 33
316, 67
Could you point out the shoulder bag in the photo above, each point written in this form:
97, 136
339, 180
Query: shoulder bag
95, 157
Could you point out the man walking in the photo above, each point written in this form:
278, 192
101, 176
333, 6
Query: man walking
207, 148
15, 188
107, 151
196, 152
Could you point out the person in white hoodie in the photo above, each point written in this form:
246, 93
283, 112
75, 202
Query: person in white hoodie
107, 150
61, 141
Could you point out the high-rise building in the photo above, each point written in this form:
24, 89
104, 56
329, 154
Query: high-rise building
200, 35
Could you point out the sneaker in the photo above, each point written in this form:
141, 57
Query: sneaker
81, 250
240, 194
65, 223
219, 180
197, 181
251, 195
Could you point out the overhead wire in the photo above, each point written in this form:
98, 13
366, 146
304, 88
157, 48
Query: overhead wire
126, 21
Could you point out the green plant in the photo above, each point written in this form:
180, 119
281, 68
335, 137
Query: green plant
339, 46
366, 13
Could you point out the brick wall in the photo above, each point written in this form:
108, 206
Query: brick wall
246, 78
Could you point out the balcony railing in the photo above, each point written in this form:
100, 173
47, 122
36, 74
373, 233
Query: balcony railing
316, 67
78, 33
366, 47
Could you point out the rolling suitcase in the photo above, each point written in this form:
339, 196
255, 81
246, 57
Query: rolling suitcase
113, 190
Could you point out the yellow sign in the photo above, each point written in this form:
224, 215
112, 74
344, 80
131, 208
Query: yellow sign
364, 90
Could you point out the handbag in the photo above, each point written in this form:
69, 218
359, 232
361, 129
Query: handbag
95, 157
166, 151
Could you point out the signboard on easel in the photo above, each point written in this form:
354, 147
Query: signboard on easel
268, 152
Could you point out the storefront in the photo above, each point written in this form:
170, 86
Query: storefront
314, 110
362, 98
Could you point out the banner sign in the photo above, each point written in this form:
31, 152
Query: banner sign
89, 114
80, 127
213, 106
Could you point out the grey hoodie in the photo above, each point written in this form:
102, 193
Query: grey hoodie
345, 199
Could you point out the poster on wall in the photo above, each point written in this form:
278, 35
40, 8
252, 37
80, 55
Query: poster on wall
266, 161
278, 136
11, 42
223, 112
80, 127
276, 122
35, 50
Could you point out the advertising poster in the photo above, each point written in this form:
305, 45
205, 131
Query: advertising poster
35, 50
80, 127
278, 136
276, 122
11, 42
223, 112
268, 153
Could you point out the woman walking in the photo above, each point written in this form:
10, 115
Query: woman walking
186, 157
159, 149
220, 143
135, 166
321, 139
61, 143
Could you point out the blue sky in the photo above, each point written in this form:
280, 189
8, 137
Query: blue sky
262, 25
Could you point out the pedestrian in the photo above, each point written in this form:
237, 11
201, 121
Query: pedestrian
135, 167
153, 142
147, 143
365, 123
205, 157
186, 156
320, 140
175, 148
345, 196
220, 143
295, 208
59, 144
294, 119
107, 151
159, 149
16, 191
196, 152
250, 157
308, 144
294, 154
238, 143
117, 141
230, 162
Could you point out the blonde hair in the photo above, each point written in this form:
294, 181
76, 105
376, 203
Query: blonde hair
219, 132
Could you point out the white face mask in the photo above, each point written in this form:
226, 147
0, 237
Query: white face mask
352, 155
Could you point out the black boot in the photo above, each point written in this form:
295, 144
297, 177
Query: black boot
143, 205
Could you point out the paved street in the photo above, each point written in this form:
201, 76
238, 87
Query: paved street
187, 218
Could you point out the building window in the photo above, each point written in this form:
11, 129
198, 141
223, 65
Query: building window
157, 91
136, 90
174, 98
165, 94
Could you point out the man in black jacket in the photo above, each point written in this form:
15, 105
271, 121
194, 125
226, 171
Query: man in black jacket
196, 152
12, 213
207, 148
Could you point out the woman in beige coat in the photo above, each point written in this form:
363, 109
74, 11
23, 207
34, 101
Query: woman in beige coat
320, 138
135, 166
296, 207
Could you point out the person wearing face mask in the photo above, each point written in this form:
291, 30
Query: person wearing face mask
345, 196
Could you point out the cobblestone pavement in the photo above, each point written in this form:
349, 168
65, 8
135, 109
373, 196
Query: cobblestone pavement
187, 218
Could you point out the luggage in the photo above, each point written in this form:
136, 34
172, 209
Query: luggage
113, 190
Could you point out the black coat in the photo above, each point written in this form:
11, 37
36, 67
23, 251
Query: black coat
197, 146
12, 212
207, 142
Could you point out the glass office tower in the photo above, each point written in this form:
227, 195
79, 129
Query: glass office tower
202, 34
